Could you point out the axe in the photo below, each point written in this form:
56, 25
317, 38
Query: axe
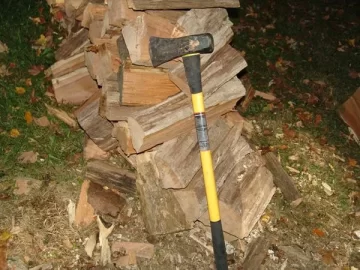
189, 48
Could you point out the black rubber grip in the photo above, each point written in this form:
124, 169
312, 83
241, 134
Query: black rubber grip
193, 72
219, 245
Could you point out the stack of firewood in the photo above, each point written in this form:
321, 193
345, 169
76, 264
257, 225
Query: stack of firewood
145, 114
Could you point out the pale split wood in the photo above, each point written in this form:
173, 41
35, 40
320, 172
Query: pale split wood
120, 13
173, 117
107, 174
161, 211
244, 196
75, 87
221, 67
96, 127
145, 86
93, 12
92, 151
61, 115
178, 160
171, 15
65, 66
110, 107
182, 4
137, 33
122, 133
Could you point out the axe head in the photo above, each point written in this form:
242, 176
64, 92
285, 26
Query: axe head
163, 50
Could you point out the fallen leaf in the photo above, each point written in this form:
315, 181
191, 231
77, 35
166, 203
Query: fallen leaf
3, 197
28, 82
14, 133
327, 257
328, 190
4, 237
41, 41
312, 99
59, 15
28, 117
20, 90
326, 17
351, 42
250, 12
323, 140
317, 120
4, 71
33, 98
42, 121
267, 132
352, 162
3, 48
354, 75
282, 147
24, 185
35, 70
36, 20
289, 132
318, 232
28, 157
306, 81
12, 65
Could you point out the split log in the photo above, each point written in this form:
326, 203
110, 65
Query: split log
68, 65
105, 201
178, 160
92, 61
93, 12
107, 174
226, 156
349, 112
221, 67
75, 87
234, 118
173, 117
282, 180
130, 159
256, 253
110, 107
120, 13
243, 199
122, 133
171, 15
182, 4
137, 33
145, 86
92, 151
161, 211
109, 60
73, 45
96, 127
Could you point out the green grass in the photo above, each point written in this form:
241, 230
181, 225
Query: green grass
55, 144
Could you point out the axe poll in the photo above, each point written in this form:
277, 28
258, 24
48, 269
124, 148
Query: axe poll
189, 48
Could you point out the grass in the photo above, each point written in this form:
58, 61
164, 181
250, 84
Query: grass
56, 144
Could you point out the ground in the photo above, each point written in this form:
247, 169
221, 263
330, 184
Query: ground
306, 53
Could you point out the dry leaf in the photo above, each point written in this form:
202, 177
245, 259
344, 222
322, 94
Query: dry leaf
14, 133
28, 82
353, 74
28, 157
42, 121
28, 117
352, 162
318, 232
289, 132
37, 20
35, 70
3, 48
326, 17
4, 71
41, 41
351, 42
20, 90
327, 257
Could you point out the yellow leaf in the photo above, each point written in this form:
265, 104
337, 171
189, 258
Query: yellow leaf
14, 133
351, 42
20, 90
265, 218
28, 82
41, 41
352, 162
28, 117
4, 236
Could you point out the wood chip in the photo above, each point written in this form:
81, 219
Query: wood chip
62, 115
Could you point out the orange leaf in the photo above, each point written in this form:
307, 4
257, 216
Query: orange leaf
352, 162
14, 133
28, 117
20, 90
318, 232
290, 133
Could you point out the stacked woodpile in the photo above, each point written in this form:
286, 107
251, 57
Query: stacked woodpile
144, 113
